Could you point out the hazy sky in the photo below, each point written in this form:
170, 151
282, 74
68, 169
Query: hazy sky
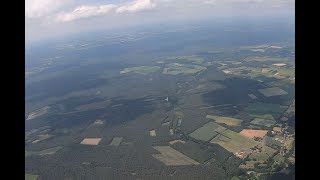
49, 18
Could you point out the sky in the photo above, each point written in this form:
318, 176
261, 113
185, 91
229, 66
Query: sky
52, 18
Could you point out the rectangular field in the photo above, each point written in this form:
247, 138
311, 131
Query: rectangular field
116, 141
251, 133
31, 177
233, 142
273, 91
263, 122
172, 157
225, 120
91, 141
207, 131
152, 132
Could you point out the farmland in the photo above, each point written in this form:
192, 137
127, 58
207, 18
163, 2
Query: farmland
233, 142
251, 133
116, 141
207, 131
225, 120
171, 157
140, 70
90, 141
176, 68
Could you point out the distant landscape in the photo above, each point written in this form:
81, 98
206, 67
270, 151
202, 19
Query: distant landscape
200, 101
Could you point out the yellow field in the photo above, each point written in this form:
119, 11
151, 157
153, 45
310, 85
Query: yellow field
225, 120
91, 141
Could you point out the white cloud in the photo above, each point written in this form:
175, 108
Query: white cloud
138, 5
40, 8
85, 12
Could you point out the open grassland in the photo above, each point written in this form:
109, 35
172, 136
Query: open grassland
172, 157
207, 131
263, 122
251, 133
273, 91
116, 141
233, 142
247, 165
91, 141
140, 70
176, 68
225, 120
31, 177
49, 151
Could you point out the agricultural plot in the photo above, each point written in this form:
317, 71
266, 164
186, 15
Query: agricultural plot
172, 157
264, 152
176, 68
31, 177
271, 142
251, 133
264, 110
273, 91
233, 142
192, 59
225, 120
49, 151
98, 122
140, 70
248, 165
38, 112
263, 122
116, 141
279, 64
153, 133
207, 131
91, 141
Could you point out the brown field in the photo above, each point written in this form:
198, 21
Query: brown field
172, 157
253, 133
91, 141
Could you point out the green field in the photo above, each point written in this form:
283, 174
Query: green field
225, 120
207, 132
263, 122
264, 110
233, 142
140, 69
31, 177
49, 151
263, 155
271, 142
116, 141
176, 68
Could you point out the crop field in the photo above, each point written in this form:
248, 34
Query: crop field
49, 151
273, 91
42, 137
116, 141
176, 68
247, 165
91, 141
251, 133
171, 157
263, 122
225, 120
233, 142
140, 70
264, 110
207, 131
31, 177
